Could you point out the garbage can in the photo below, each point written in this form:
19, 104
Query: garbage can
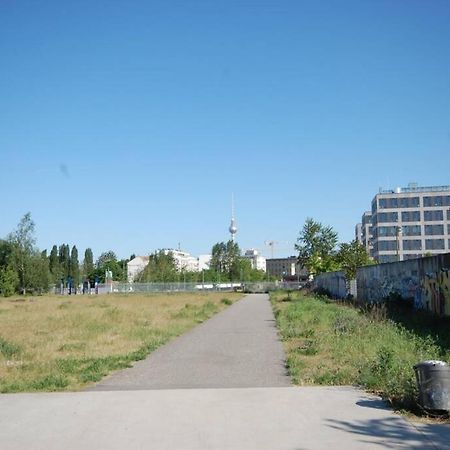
433, 381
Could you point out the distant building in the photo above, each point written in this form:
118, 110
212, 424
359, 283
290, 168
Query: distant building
203, 262
363, 232
257, 261
135, 266
410, 222
286, 268
183, 260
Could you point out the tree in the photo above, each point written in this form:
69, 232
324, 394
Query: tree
74, 266
88, 263
53, 264
64, 260
225, 260
351, 256
161, 267
22, 241
9, 281
316, 245
5, 253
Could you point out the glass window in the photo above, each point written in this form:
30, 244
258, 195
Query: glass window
430, 216
409, 202
387, 231
411, 216
387, 245
431, 230
447, 200
448, 214
387, 217
411, 230
412, 244
434, 244
436, 200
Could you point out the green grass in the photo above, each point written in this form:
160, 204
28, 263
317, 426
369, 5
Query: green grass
54, 344
330, 343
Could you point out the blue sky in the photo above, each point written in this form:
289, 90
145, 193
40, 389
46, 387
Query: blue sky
126, 125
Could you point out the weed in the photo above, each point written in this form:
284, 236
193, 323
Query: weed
226, 301
9, 349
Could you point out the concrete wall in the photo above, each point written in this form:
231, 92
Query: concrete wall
334, 282
423, 280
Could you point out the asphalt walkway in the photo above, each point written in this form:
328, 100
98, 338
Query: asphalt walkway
238, 347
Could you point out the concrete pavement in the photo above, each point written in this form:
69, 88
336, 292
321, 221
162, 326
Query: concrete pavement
288, 418
238, 347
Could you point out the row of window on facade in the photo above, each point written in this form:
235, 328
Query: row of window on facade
411, 216
411, 244
412, 202
411, 230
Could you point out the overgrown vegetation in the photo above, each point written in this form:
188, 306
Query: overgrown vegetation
332, 343
51, 343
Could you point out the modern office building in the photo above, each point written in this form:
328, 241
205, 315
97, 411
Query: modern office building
410, 222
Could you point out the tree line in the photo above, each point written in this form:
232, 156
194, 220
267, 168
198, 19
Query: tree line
26, 269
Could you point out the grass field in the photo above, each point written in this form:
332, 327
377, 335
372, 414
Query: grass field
328, 343
51, 343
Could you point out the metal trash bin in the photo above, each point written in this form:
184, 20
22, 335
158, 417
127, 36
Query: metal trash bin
433, 381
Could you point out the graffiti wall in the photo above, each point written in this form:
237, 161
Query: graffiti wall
424, 281
335, 284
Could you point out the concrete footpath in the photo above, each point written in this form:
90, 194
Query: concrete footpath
238, 347
221, 386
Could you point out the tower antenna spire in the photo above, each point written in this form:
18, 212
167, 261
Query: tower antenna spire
233, 228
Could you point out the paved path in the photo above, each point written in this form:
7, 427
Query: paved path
291, 418
238, 347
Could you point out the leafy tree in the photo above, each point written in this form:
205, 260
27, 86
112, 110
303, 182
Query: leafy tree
5, 253
225, 260
22, 241
105, 258
9, 281
108, 261
88, 263
74, 266
351, 256
64, 260
316, 245
53, 263
161, 268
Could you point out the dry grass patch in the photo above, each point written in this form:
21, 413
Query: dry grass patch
63, 343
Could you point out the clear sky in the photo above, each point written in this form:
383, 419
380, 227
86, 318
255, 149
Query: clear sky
126, 125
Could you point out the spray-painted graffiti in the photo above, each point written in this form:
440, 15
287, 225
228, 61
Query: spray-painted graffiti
425, 281
437, 292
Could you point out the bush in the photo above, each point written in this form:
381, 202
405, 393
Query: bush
9, 281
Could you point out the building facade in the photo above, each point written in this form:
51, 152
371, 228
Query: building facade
410, 222
257, 261
363, 232
286, 268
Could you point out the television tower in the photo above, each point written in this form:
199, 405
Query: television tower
233, 228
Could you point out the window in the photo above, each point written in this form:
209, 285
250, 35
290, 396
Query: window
448, 214
388, 203
387, 217
431, 230
387, 245
412, 256
434, 244
430, 216
437, 200
409, 202
411, 230
387, 231
411, 216
412, 244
